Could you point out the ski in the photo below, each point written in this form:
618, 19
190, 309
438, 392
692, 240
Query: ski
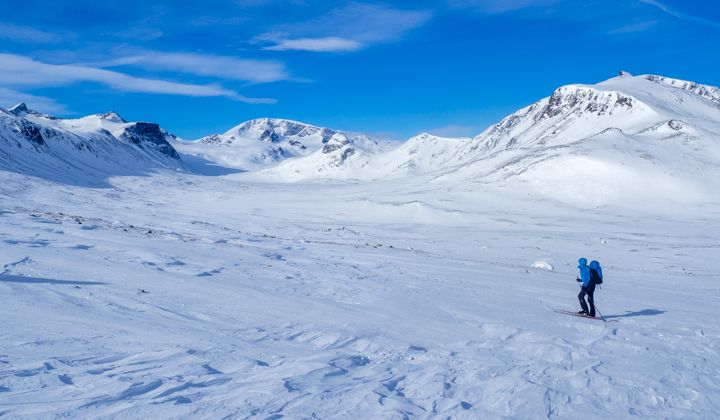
573, 313
579, 315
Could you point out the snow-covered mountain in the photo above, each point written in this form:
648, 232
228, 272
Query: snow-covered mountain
264, 142
627, 103
83, 150
633, 137
630, 137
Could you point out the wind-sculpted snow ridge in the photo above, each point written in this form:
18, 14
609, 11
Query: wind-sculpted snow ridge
85, 150
257, 144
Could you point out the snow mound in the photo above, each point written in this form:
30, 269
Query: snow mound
542, 265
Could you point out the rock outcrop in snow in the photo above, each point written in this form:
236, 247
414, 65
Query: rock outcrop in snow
710, 93
149, 137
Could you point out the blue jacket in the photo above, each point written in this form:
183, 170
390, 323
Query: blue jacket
584, 272
596, 266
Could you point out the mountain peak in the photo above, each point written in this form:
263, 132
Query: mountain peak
284, 125
428, 137
273, 129
19, 109
22, 110
112, 116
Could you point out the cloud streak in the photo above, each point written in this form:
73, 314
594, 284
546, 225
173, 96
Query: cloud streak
21, 33
499, 6
327, 44
633, 27
680, 15
348, 28
17, 70
224, 67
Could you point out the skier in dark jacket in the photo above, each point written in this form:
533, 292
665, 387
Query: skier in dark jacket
587, 288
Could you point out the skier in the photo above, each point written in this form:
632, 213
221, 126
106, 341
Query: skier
587, 288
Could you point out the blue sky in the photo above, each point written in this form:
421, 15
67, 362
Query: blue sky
451, 67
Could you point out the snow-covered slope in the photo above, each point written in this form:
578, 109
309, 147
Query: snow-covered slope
183, 296
421, 154
259, 143
84, 150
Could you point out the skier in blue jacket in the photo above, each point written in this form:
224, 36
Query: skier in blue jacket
586, 288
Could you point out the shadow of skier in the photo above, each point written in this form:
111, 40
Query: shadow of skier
644, 312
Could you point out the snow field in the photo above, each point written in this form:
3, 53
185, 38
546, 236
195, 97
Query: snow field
151, 300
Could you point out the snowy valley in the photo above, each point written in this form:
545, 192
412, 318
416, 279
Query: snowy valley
285, 270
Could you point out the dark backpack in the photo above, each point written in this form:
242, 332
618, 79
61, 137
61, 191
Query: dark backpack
595, 276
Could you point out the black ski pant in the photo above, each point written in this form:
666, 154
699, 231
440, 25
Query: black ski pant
589, 291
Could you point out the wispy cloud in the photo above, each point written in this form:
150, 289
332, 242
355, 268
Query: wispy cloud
633, 27
499, 6
10, 97
327, 44
17, 70
21, 33
224, 67
140, 32
348, 28
680, 15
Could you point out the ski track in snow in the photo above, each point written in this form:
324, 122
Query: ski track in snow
164, 297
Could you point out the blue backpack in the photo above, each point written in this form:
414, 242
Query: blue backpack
596, 275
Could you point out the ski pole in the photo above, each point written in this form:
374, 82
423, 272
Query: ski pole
600, 313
